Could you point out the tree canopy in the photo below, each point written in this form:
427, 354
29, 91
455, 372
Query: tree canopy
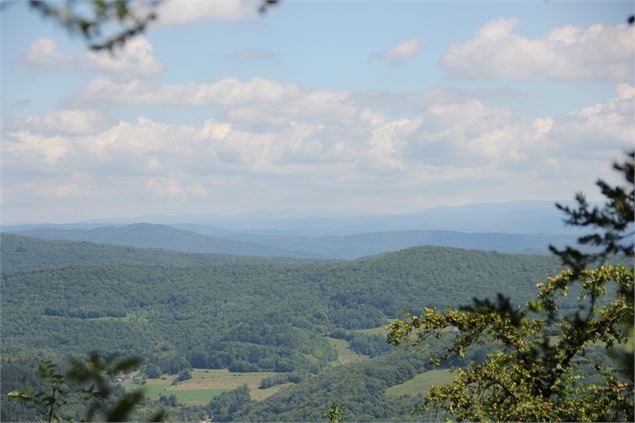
542, 367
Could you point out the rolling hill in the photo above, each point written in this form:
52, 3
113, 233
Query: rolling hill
160, 236
198, 238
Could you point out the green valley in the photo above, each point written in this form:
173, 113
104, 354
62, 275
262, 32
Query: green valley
313, 330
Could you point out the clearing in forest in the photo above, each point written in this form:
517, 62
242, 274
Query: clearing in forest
206, 384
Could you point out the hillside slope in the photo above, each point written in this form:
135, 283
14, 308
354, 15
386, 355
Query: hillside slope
21, 253
160, 236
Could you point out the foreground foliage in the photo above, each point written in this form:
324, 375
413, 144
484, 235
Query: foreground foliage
540, 369
533, 377
106, 24
86, 385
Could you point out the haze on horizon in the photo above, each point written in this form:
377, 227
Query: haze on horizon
346, 107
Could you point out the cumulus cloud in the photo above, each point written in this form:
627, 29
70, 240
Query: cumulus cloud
226, 92
270, 125
598, 52
607, 125
176, 13
136, 57
71, 122
29, 150
400, 53
291, 145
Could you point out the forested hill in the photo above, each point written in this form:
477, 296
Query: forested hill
204, 239
164, 237
21, 252
245, 314
262, 314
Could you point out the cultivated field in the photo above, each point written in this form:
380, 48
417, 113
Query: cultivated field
206, 384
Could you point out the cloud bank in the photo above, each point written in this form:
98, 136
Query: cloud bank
598, 52
286, 144
136, 58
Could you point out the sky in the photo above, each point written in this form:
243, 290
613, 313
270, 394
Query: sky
317, 106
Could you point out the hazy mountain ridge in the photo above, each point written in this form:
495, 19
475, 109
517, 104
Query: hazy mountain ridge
272, 244
360, 245
509, 217
25, 253
163, 237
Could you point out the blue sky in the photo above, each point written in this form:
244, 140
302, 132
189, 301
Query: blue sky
317, 106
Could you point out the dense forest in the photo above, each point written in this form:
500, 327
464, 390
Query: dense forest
245, 314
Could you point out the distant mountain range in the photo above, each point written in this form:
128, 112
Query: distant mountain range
524, 217
203, 239
160, 236
515, 217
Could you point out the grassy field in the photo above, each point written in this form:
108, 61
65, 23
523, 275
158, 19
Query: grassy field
344, 354
421, 383
206, 384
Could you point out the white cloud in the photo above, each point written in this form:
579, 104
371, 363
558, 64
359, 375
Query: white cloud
43, 52
566, 53
605, 126
315, 147
72, 122
400, 53
225, 92
136, 57
30, 149
271, 128
176, 13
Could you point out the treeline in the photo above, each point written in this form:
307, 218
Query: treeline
372, 345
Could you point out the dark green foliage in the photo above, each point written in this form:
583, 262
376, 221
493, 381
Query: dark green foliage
83, 390
24, 253
362, 343
358, 387
534, 376
169, 400
268, 382
152, 371
223, 407
613, 223
17, 373
184, 375
260, 314
188, 310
